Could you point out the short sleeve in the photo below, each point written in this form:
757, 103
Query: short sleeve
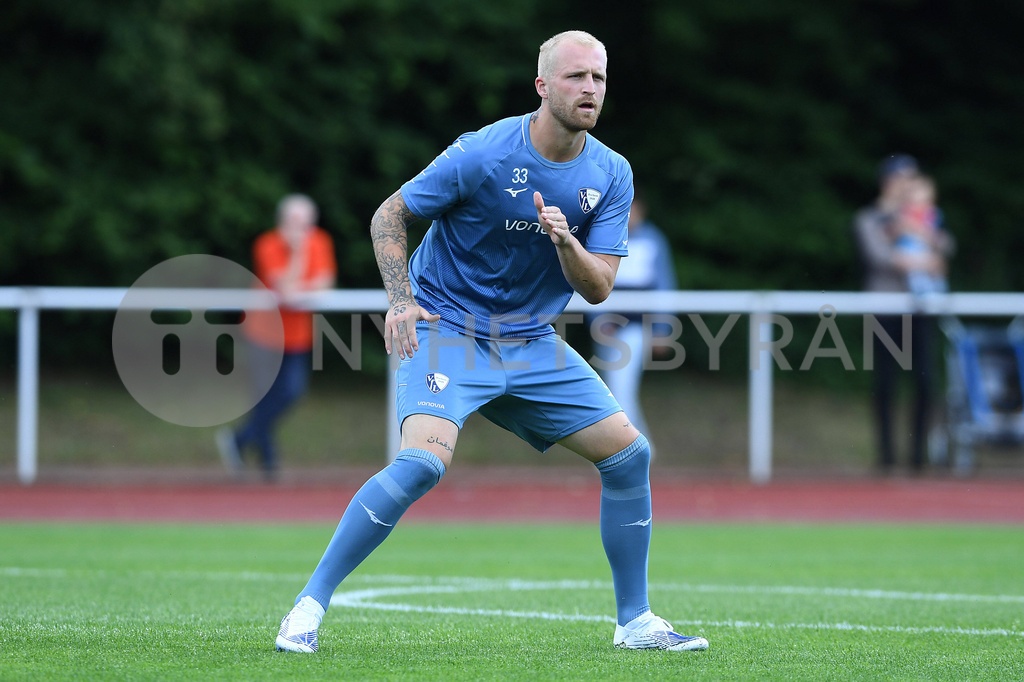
448, 180
609, 232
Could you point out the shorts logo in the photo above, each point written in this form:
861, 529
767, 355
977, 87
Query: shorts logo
588, 199
436, 382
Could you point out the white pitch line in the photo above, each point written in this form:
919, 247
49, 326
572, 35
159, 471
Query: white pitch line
853, 593
367, 599
22, 572
844, 592
499, 613
513, 584
248, 576
905, 629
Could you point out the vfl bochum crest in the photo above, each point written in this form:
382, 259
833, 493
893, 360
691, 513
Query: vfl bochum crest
436, 382
588, 199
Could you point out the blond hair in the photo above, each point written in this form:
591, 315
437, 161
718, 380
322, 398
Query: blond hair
546, 59
301, 199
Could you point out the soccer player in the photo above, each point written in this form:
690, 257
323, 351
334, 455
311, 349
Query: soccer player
525, 211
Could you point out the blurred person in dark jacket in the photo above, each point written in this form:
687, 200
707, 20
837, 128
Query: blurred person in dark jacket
888, 267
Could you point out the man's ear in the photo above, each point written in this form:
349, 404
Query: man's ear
542, 87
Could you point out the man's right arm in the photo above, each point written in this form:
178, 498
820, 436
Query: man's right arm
389, 230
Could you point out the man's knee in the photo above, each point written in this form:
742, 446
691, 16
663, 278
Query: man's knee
603, 439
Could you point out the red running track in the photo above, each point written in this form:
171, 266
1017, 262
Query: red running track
501, 498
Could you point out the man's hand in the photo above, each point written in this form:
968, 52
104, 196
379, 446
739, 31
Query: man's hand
552, 221
590, 274
296, 236
400, 328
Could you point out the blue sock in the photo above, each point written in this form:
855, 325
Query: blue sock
626, 525
372, 513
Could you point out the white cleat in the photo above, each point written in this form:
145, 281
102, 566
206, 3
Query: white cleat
648, 631
298, 629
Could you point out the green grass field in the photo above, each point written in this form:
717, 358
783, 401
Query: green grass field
474, 602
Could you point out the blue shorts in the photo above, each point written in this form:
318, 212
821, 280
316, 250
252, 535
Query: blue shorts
539, 389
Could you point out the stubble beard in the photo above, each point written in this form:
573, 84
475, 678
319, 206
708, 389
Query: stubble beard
571, 118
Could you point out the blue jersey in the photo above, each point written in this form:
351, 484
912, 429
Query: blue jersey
485, 265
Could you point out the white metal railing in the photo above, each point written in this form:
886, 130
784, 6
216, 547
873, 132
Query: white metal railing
763, 307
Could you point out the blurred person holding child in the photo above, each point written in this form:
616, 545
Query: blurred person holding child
624, 349
294, 258
903, 248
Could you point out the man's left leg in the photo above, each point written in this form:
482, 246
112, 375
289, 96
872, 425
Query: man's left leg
622, 455
554, 396
625, 506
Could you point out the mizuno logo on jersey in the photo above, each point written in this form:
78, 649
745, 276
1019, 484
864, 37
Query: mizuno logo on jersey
588, 199
515, 192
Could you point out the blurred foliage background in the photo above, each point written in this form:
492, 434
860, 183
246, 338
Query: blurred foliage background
137, 130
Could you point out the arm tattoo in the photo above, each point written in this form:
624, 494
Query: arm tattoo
389, 232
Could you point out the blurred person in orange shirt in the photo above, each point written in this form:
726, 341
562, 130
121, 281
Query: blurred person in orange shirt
294, 258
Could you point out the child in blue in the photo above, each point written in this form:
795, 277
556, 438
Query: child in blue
917, 228
525, 212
